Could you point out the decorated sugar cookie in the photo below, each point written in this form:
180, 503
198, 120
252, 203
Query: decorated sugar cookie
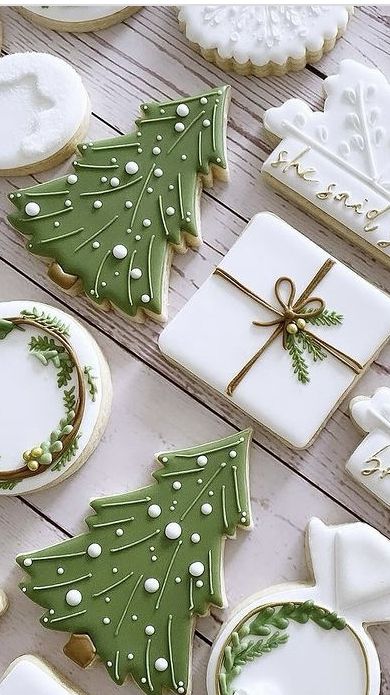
263, 39
56, 392
77, 18
3, 602
44, 110
113, 224
277, 328
369, 464
334, 164
130, 588
311, 638
31, 675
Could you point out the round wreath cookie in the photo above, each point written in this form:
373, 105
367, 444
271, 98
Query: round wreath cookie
311, 638
263, 39
56, 396
44, 110
77, 18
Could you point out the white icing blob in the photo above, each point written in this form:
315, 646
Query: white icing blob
201, 460
196, 569
156, 150
32, 209
119, 251
233, 454
73, 597
195, 538
145, 298
119, 532
149, 630
95, 244
106, 621
176, 485
206, 123
94, 550
151, 585
206, 509
114, 181
179, 127
146, 222
136, 273
27, 562
154, 511
161, 664
97, 204
158, 172
173, 530
72, 178
131, 167
170, 211
182, 110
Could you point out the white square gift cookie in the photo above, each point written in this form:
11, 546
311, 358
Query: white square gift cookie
280, 328
31, 675
335, 163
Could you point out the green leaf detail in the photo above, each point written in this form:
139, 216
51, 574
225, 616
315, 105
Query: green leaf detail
46, 350
69, 399
68, 455
91, 382
308, 343
114, 221
51, 322
299, 363
8, 484
326, 318
5, 328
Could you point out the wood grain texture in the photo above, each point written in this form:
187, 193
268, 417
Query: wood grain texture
157, 406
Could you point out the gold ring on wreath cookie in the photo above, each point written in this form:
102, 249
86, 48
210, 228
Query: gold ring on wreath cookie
263, 39
45, 111
56, 396
77, 18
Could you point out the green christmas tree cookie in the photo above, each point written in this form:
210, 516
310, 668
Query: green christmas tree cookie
111, 226
130, 588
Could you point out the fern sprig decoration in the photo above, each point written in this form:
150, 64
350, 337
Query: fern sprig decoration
299, 363
91, 382
47, 350
52, 322
310, 344
326, 318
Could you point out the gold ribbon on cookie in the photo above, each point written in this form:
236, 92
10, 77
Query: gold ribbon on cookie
292, 317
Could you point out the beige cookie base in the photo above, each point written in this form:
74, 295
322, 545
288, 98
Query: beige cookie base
79, 27
56, 158
270, 68
3, 602
327, 220
47, 669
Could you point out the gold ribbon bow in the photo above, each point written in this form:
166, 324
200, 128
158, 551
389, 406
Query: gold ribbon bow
292, 316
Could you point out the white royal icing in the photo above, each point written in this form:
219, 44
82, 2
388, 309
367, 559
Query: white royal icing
369, 464
30, 414
27, 674
75, 13
351, 567
342, 153
263, 33
213, 336
42, 103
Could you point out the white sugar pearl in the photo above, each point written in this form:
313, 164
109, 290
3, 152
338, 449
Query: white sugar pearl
206, 122
177, 580
151, 585
103, 179
119, 251
206, 509
131, 167
137, 237
68, 203
158, 172
184, 157
97, 204
203, 100
119, 532
161, 664
60, 570
32, 209
201, 460
73, 597
94, 550
182, 110
95, 245
146, 222
232, 454
154, 511
136, 273
170, 211
176, 485
173, 530
195, 538
196, 569
156, 150
106, 621
27, 562
149, 630
179, 127
128, 204
145, 298
181, 690
114, 182
199, 583
56, 223
130, 656
109, 664
72, 178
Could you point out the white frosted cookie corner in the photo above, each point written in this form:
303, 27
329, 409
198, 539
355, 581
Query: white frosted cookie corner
43, 104
336, 161
31, 675
351, 572
263, 33
213, 336
369, 464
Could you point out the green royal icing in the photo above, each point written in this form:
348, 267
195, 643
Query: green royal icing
151, 561
112, 222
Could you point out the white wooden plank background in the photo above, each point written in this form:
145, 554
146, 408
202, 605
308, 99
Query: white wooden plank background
146, 58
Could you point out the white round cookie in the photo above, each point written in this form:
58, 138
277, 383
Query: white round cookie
263, 39
44, 110
77, 18
56, 396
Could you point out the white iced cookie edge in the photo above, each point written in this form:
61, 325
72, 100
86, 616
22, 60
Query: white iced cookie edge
351, 572
263, 33
29, 674
75, 13
43, 104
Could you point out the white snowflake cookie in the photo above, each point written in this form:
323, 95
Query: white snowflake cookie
335, 163
31, 675
369, 464
56, 391
77, 18
277, 329
311, 637
263, 39
44, 110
